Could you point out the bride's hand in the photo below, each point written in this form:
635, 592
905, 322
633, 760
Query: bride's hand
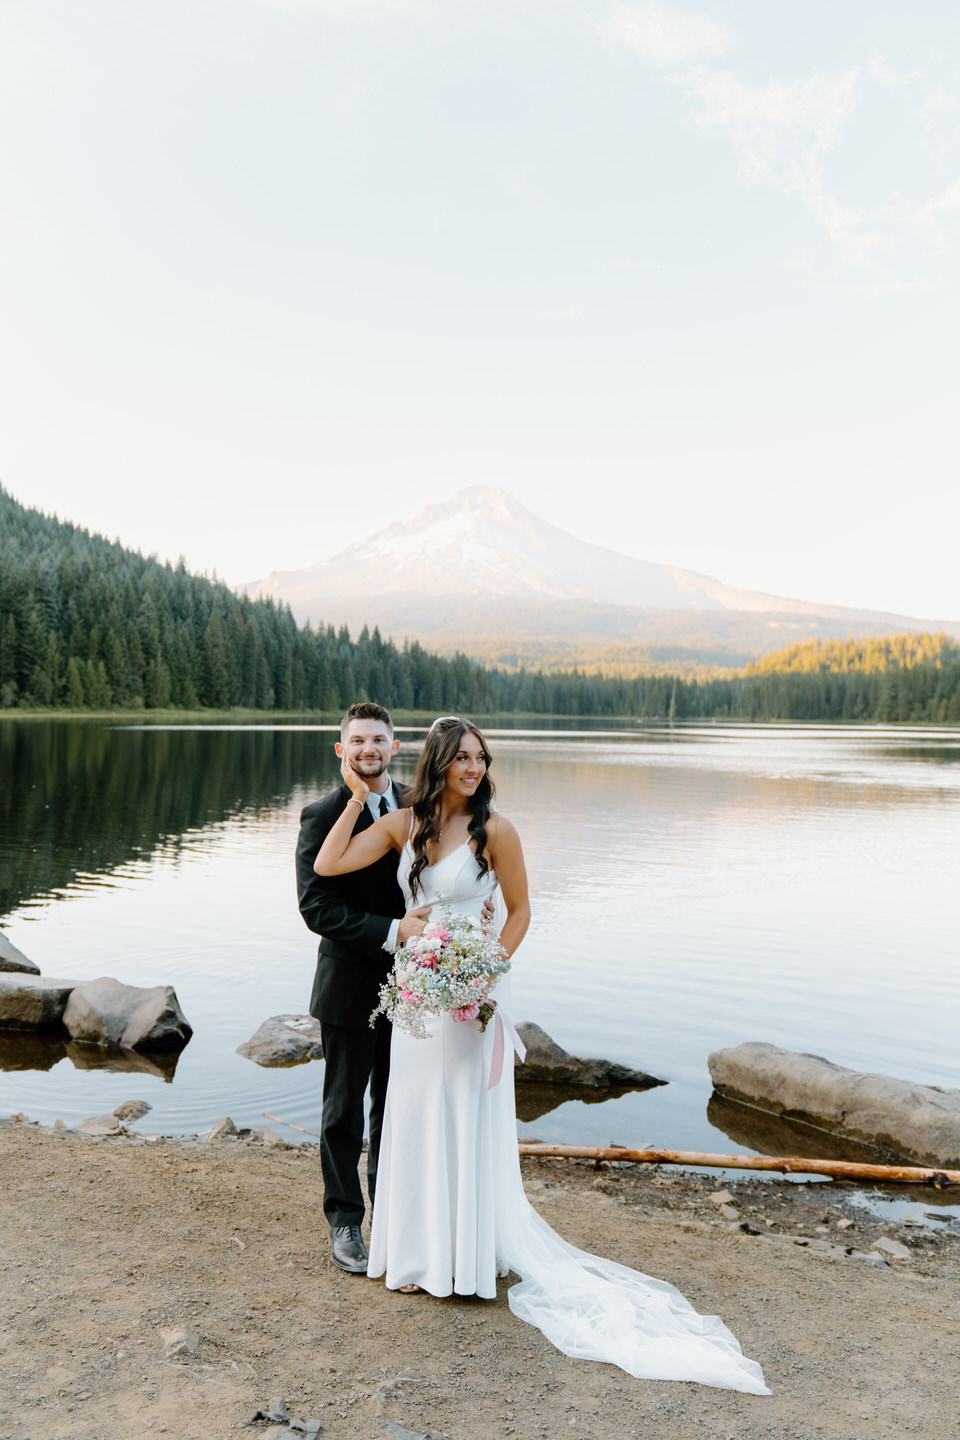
355, 783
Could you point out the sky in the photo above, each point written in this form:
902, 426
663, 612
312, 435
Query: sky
682, 278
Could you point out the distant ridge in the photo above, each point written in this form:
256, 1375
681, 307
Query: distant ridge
483, 574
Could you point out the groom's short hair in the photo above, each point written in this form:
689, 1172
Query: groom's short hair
365, 710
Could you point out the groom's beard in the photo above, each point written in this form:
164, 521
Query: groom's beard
368, 769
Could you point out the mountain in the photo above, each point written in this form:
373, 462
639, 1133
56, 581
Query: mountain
483, 574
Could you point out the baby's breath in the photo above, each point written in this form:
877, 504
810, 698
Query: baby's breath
448, 970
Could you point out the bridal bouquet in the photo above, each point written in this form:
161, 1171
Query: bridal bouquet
448, 970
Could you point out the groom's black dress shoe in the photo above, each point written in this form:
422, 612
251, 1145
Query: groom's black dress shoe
347, 1249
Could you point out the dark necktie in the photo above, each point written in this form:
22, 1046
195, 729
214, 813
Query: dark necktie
383, 805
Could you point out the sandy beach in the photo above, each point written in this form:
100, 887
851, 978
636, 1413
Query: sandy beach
110, 1242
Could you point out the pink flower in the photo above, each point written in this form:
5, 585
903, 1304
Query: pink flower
474, 982
428, 962
467, 1012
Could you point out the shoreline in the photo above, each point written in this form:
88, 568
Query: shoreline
116, 1239
413, 718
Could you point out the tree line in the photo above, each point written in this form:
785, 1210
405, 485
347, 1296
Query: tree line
86, 624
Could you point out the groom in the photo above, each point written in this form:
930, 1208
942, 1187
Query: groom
356, 915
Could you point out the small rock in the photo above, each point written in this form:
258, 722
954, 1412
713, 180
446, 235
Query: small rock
271, 1139
222, 1129
845, 1223
284, 1040
132, 1110
892, 1248
180, 1340
872, 1259
729, 1212
13, 959
547, 1062
60, 1125
721, 1197
400, 1432
286, 1422
607, 1186
99, 1125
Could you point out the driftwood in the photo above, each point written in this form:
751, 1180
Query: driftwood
290, 1126
789, 1164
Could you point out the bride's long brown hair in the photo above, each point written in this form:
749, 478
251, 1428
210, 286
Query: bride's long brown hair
440, 749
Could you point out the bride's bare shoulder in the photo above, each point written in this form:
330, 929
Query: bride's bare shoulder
498, 827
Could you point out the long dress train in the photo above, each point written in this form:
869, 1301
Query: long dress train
451, 1213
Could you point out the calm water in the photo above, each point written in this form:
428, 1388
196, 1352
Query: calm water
693, 887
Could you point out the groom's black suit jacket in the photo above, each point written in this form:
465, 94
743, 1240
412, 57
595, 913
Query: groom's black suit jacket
352, 913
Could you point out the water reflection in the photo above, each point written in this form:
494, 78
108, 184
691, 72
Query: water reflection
693, 888
22, 1051
770, 1134
80, 799
535, 1100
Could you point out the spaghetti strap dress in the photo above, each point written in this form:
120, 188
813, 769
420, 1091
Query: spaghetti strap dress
451, 1214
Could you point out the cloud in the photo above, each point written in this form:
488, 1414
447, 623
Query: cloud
668, 38
933, 213
781, 133
784, 132
769, 123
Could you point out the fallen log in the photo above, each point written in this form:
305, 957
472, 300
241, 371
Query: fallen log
786, 1164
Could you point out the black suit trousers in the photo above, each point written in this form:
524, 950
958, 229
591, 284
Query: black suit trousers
351, 1058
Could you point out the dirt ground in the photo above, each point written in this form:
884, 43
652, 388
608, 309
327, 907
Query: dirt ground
105, 1242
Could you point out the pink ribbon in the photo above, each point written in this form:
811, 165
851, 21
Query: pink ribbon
501, 1023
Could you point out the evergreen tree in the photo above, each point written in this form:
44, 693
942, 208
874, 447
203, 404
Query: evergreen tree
86, 623
75, 696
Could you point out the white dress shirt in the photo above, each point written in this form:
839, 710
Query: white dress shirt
373, 804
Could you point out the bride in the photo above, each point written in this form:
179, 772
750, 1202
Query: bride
451, 1214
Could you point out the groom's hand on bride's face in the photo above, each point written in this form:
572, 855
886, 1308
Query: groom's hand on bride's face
413, 923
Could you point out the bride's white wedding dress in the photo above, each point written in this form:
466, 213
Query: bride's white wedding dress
451, 1213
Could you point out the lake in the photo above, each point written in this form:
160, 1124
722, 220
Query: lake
693, 886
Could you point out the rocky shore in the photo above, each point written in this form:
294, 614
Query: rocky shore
153, 1286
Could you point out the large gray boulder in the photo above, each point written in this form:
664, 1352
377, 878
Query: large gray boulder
284, 1040
916, 1124
548, 1063
106, 1012
13, 959
32, 1002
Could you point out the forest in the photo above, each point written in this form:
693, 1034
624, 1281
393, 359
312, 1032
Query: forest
86, 624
